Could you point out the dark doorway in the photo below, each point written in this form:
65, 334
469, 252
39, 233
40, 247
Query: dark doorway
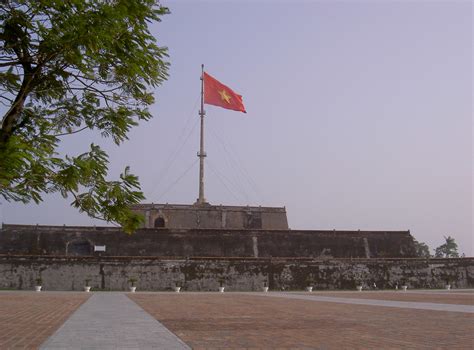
160, 222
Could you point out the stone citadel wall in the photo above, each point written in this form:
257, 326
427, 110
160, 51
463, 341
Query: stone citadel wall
238, 274
178, 216
84, 240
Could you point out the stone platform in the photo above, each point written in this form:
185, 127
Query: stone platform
421, 319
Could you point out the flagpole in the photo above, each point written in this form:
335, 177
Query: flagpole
201, 154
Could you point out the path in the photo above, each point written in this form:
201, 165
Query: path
374, 302
112, 321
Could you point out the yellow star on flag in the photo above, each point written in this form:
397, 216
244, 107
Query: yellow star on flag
224, 96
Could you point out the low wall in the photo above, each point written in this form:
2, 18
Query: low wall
203, 274
80, 240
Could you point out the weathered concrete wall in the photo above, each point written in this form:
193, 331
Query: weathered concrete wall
181, 216
113, 273
70, 240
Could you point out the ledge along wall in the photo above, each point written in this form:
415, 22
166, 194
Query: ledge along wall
239, 274
81, 241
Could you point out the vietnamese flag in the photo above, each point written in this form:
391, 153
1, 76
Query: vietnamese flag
217, 94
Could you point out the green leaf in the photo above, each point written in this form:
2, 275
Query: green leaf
73, 66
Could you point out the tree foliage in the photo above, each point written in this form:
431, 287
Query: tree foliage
68, 66
447, 250
422, 249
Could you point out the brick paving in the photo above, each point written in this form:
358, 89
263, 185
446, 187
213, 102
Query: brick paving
27, 319
429, 297
243, 320
236, 320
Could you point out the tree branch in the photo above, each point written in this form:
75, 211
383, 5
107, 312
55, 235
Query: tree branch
72, 132
8, 64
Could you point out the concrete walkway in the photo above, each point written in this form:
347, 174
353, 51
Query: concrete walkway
374, 302
112, 321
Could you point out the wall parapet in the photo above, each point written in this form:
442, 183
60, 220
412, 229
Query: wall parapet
433, 260
80, 240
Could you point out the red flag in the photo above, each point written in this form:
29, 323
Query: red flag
217, 94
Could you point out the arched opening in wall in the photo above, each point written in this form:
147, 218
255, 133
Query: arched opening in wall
159, 222
79, 248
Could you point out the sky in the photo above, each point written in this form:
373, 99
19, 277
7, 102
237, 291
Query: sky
359, 116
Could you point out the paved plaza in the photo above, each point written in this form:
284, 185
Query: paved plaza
297, 320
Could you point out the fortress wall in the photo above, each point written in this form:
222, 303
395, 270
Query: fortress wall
80, 240
203, 274
274, 220
179, 216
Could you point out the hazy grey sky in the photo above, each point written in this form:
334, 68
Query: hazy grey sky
359, 116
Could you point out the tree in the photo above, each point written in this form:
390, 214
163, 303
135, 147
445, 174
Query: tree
422, 249
448, 249
68, 66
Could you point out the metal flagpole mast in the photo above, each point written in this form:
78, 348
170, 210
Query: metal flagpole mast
201, 154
